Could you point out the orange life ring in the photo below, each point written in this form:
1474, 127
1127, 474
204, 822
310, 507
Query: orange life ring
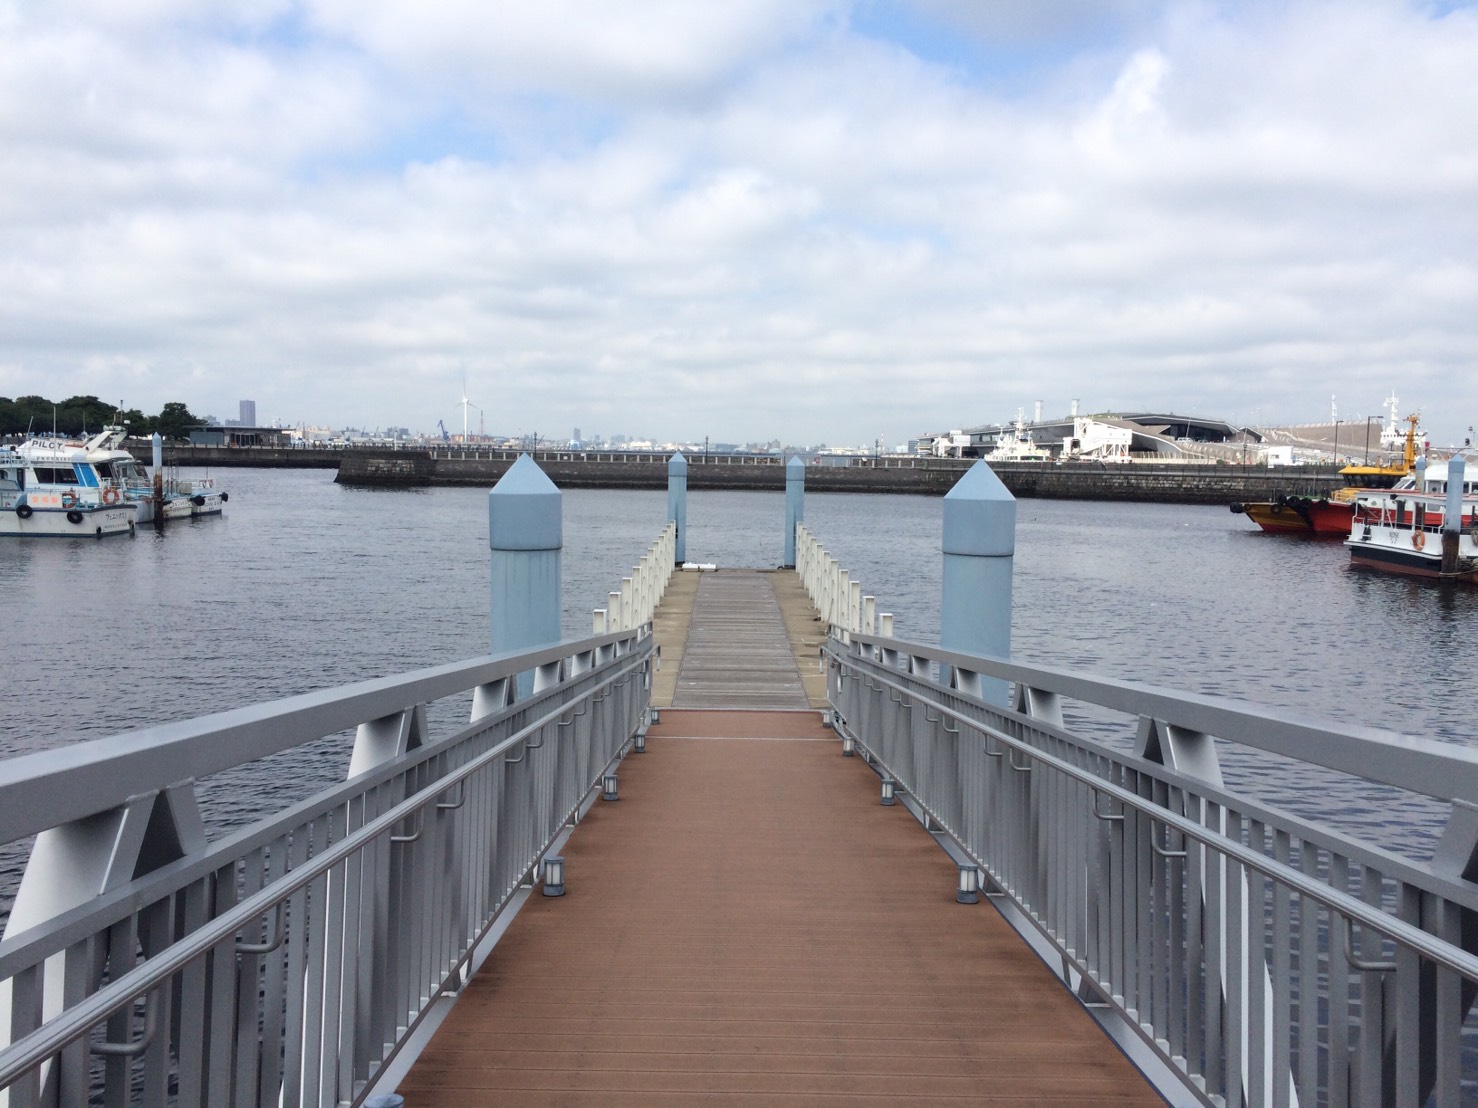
110, 496
69, 499
1418, 539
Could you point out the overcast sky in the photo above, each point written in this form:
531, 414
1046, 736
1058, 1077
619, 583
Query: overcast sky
816, 220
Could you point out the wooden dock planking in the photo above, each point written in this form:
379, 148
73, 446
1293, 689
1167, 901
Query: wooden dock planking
737, 653
748, 925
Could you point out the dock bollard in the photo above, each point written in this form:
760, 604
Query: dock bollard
677, 504
525, 534
978, 542
795, 505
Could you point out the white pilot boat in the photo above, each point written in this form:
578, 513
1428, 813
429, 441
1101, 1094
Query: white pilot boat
49, 488
55, 486
1401, 530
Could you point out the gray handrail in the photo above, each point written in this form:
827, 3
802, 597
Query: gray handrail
1352, 908
51, 787
1437, 769
76, 1021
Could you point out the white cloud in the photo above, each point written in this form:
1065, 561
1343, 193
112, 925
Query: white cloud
741, 223
617, 49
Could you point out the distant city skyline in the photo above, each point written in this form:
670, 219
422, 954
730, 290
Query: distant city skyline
823, 220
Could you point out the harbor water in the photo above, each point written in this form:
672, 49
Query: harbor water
303, 584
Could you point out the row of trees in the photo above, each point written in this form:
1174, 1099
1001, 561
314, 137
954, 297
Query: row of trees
81, 415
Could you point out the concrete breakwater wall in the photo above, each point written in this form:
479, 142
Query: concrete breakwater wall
1172, 484
1176, 484
246, 457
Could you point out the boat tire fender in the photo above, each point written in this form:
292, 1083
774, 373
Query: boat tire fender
74, 516
198, 501
1418, 539
23, 510
225, 496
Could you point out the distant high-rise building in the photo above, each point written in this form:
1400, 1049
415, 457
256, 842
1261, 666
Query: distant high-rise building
576, 436
248, 413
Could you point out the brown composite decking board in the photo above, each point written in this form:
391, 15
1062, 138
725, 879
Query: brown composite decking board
748, 925
737, 653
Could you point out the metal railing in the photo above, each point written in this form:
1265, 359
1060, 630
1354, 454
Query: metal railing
837, 597
288, 962
1262, 957
636, 601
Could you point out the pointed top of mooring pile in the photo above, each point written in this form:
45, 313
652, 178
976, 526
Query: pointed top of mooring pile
795, 469
979, 515
677, 465
524, 509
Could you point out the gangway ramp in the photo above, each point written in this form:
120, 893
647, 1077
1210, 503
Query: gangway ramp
748, 925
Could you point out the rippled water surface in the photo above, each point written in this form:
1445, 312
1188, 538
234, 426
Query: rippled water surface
303, 584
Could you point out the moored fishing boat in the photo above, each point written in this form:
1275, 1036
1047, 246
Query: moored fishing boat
56, 492
83, 479
1403, 530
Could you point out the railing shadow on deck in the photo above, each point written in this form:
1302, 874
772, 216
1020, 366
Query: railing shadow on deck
1260, 957
288, 962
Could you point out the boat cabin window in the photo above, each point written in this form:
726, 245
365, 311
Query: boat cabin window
10, 478
55, 475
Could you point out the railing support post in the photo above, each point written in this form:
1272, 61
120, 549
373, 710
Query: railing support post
677, 504
979, 546
525, 533
795, 504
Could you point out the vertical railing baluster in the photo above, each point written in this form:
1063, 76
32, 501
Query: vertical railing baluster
1259, 993
117, 1069
1281, 973
1373, 998
1311, 1029
1340, 987
1215, 924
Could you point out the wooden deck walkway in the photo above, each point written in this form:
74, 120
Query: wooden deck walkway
748, 925
737, 653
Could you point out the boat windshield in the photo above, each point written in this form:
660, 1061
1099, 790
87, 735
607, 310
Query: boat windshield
55, 475
1369, 480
